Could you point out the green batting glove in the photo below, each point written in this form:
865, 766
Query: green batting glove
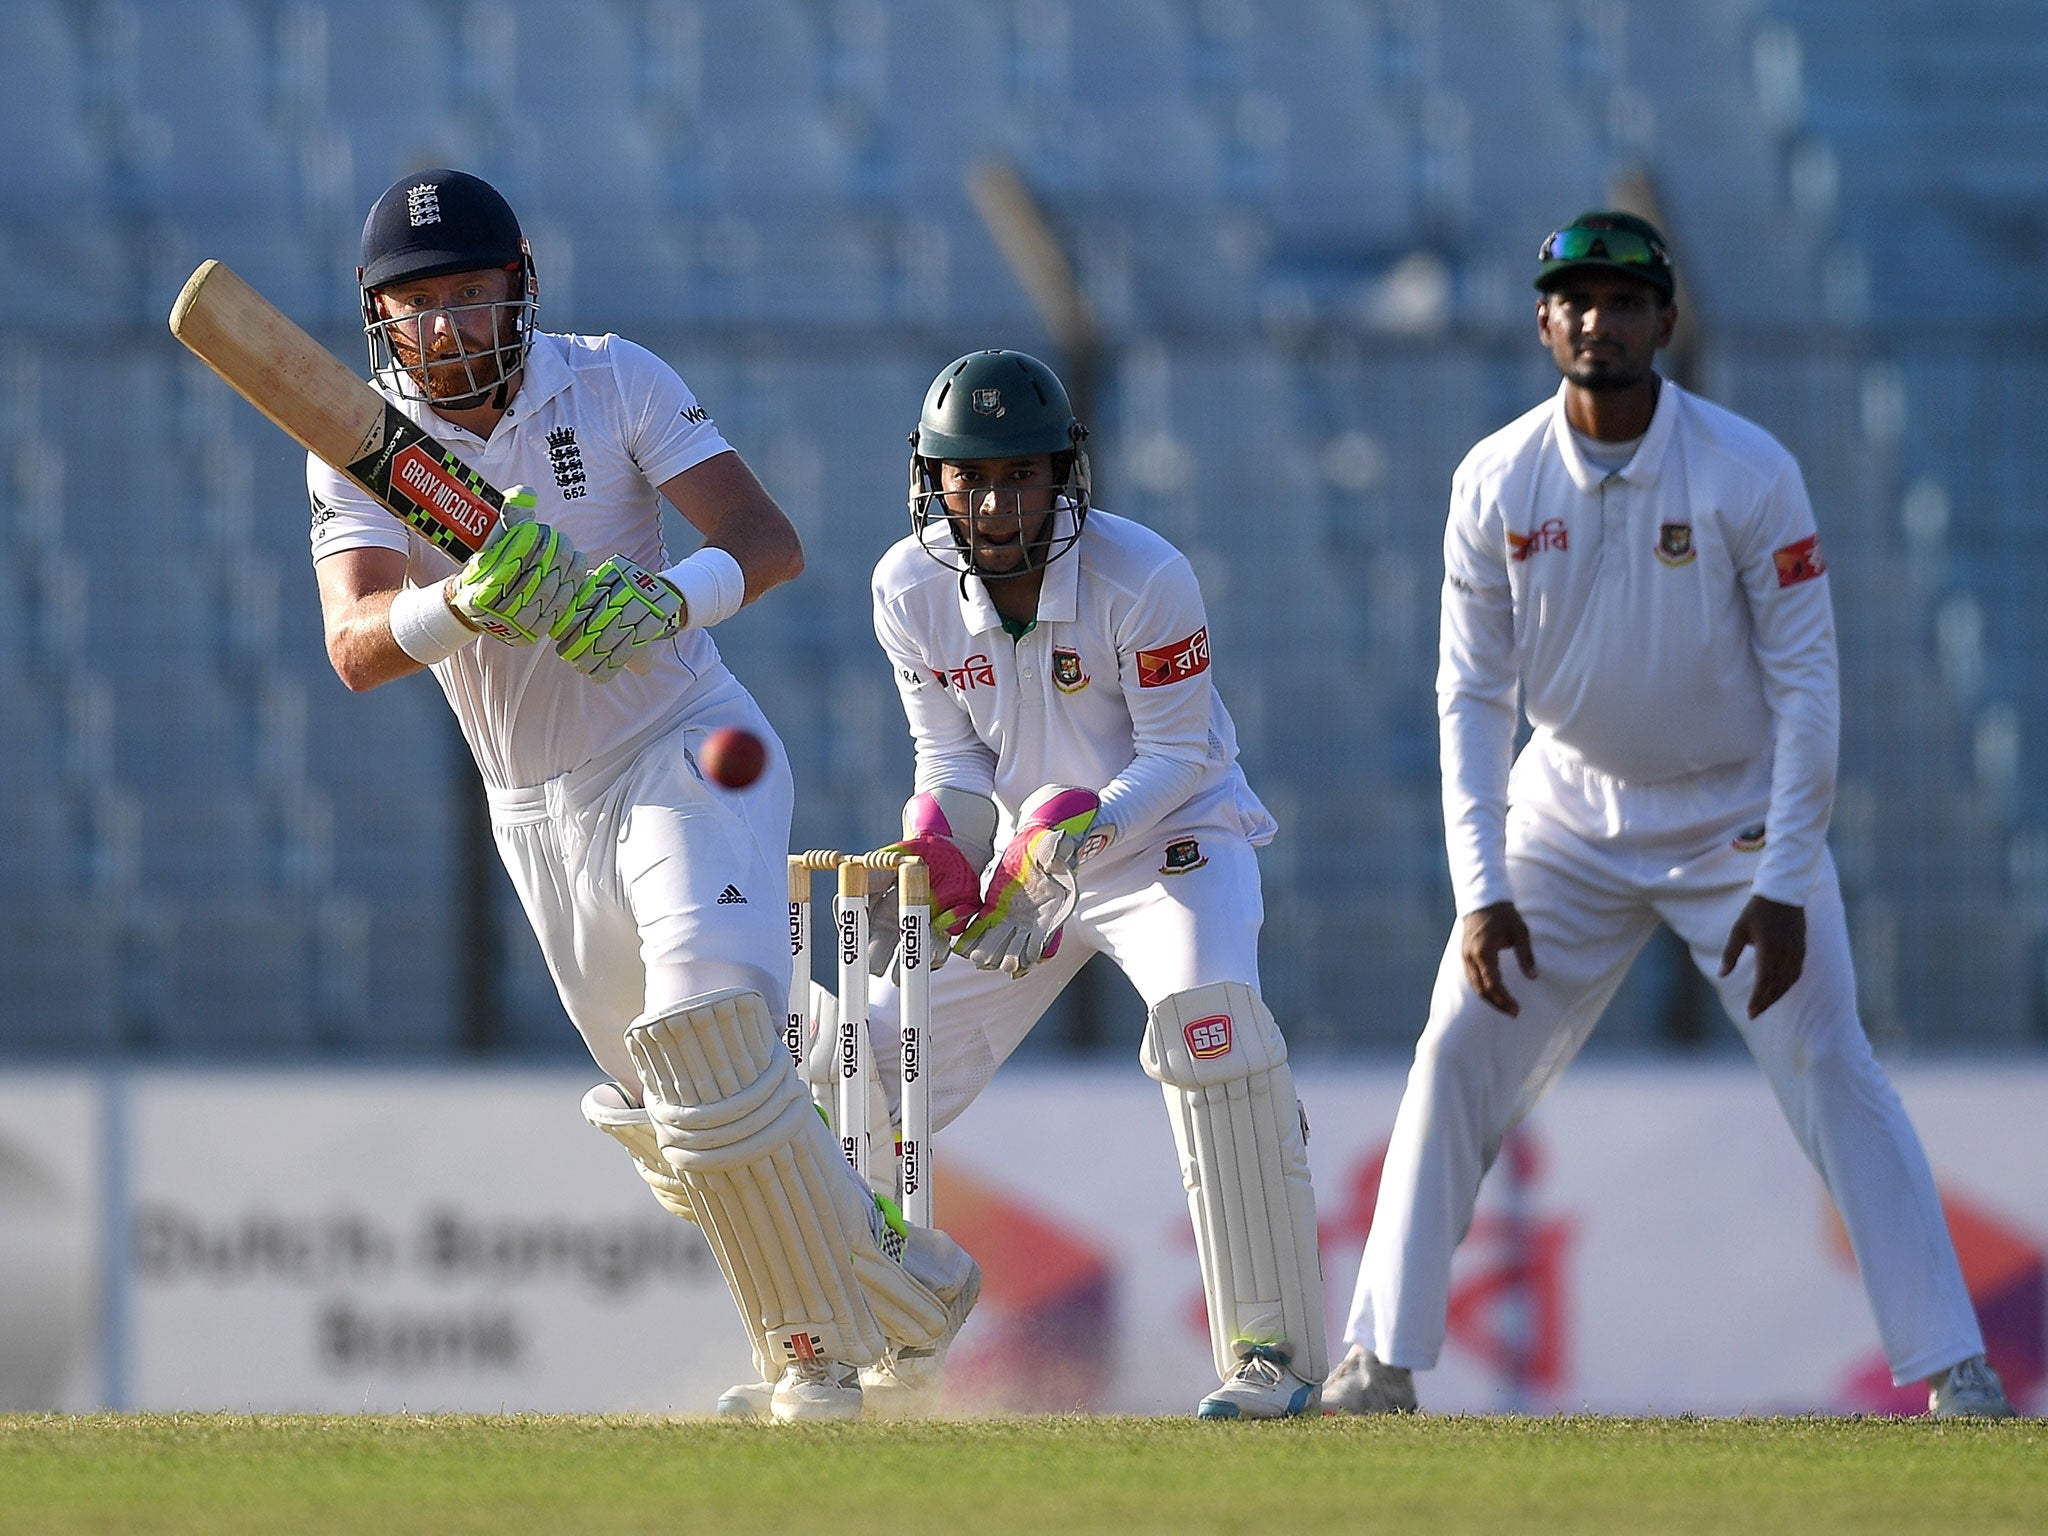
518, 585
620, 607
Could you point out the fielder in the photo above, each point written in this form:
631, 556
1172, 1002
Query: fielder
1053, 661
1643, 567
656, 899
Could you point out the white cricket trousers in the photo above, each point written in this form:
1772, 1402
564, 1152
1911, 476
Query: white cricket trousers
1170, 924
647, 885
1595, 865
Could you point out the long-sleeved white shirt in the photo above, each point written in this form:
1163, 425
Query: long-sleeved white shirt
1110, 689
1668, 618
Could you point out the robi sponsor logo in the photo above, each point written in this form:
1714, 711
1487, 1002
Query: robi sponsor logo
913, 947
1208, 1038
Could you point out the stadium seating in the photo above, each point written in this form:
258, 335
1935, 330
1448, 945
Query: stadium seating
1305, 227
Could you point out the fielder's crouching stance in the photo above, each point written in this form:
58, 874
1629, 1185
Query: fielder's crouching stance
655, 896
1040, 645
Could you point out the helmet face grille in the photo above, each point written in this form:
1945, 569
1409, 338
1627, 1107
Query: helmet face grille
996, 405
431, 224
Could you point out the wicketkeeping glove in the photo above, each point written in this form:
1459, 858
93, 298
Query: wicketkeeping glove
953, 831
518, 585
1033, 889
620, 607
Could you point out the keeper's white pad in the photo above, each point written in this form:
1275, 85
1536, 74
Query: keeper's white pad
1244, 1158
799, 1239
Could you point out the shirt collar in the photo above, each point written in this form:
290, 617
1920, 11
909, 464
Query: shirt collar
1059, 594
1648, 462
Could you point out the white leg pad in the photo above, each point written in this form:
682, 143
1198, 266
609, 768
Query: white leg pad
791, 1226
633, 1128
1244, 1158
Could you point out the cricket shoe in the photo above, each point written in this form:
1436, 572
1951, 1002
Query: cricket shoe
748, 1400
1263, 1386
1364, 1383
1969, 1389
816, 1392
904, 1383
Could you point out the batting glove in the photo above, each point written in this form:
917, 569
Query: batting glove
953, 831
518, 585
620, 607
1033, 890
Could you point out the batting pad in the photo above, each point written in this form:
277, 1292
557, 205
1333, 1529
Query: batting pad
1244, 1158
632, 1128
784, 1214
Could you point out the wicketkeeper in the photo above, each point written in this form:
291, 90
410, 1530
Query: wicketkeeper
1077, 791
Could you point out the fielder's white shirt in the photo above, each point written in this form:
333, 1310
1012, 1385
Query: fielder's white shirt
597, 426
1111, 689
1661, 620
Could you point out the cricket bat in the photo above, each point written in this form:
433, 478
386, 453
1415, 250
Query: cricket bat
324, 407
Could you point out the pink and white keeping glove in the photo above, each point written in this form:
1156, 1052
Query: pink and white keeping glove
954, 832
1033, 889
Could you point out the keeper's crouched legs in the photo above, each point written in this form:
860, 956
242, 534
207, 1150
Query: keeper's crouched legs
1220, 1058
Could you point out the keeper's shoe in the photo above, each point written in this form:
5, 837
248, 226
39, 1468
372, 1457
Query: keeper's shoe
1969, 1389
1364, 1383
748, 1400
1263, 1386
816, 1392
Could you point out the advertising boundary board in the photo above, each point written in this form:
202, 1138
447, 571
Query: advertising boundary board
1650, 1241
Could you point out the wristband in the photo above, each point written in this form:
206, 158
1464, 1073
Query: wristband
712, 584
425, 627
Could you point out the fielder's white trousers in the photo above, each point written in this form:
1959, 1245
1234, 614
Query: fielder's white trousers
1595, 865
1167, 929
645, 884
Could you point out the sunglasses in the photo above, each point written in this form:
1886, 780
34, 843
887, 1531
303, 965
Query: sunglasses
1622, 245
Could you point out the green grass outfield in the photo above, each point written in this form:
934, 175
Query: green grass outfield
223, 1475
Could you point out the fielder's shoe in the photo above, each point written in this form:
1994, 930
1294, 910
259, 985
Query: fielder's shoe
1263, 1386
1968, 1389
748, 1400
1364, 1383
816, 1391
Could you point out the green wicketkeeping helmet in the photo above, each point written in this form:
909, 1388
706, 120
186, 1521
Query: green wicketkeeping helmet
997, 405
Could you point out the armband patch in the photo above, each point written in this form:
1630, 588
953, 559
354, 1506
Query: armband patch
1176, 662
1800, 562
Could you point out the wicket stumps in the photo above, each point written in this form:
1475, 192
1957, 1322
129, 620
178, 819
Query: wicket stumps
853, 1059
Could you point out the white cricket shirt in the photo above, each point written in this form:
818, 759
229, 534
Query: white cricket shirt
597, 426
1110, 690
1667, 618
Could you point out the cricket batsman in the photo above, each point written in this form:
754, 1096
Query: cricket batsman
585, 693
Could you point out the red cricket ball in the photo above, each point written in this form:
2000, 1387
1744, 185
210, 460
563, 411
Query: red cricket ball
732, 757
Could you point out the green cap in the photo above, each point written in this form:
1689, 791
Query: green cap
1606, 239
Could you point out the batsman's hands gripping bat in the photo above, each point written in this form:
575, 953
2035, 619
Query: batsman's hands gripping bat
322, 406
619, 608
519, 584
1034, 889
